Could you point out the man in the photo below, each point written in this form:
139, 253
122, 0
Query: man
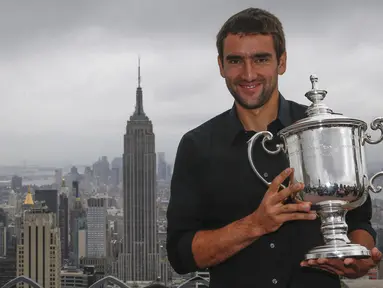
221, 217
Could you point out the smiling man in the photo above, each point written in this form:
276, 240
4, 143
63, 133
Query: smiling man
221, 217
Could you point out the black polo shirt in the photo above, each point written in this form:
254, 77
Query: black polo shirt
213, 185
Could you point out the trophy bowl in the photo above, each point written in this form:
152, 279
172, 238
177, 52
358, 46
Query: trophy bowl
327, 152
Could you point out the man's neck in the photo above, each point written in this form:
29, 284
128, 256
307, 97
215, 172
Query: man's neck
259, 119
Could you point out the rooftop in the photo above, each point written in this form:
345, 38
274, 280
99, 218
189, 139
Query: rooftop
28, 199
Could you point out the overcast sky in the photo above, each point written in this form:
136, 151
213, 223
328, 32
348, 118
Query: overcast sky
68, 69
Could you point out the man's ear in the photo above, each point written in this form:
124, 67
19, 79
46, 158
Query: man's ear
220, 65
282, 63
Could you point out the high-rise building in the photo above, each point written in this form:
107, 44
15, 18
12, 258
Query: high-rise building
87, 179
8, 262
7, 268
74, 194
51, 199
78, 230
17, 183
3, 240
169, 172
97, 228
101, 170
38, 249
162, 166
58, 178
117, 166
140, 253
73, 176
115, 176
64, 226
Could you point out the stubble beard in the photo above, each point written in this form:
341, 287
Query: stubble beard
263, 98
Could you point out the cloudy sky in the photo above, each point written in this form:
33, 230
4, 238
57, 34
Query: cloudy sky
68, 69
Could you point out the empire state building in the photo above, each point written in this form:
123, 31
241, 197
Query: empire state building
140, 250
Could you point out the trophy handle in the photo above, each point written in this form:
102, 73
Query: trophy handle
376, 124
371, 186
250, 144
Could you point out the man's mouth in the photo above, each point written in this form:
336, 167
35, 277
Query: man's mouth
249, 86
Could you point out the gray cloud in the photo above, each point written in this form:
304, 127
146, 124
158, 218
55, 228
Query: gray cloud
68, 69
29, 22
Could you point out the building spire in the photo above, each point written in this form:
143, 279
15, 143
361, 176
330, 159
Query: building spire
139, 111
139, 72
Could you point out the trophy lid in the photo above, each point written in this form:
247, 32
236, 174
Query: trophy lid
319, 114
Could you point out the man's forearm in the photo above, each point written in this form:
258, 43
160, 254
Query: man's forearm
215, 246
363, 238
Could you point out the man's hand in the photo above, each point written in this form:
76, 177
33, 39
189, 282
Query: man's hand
212, 247
349, 267
272, 212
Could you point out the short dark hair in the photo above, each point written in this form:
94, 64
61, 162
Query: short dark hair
253, 21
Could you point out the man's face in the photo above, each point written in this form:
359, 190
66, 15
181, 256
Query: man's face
250, 68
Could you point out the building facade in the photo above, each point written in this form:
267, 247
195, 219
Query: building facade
140, 259
64, 226
97, 228
39, 249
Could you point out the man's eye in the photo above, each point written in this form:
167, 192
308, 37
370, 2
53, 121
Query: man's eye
234, 61
262, 60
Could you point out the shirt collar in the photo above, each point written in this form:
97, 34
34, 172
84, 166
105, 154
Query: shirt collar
284, 111
235, 126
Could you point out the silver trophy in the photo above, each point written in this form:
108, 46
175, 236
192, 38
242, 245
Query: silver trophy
326, 150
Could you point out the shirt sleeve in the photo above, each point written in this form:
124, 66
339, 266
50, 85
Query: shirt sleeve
360, 218
185, 209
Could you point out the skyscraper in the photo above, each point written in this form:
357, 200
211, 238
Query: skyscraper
38, 249
78, 229
140, 252
162, 167
51, 199
64, 226
97, 228
3, 233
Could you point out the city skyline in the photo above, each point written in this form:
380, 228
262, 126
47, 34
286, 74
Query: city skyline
68, 77
96, 97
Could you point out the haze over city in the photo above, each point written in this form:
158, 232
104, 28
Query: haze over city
96, 96
68, 70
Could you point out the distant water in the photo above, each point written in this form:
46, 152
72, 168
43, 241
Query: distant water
39, 182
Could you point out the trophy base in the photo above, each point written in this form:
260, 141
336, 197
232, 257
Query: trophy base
338, 251
334, 230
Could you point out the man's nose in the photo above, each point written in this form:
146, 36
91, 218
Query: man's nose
249, 71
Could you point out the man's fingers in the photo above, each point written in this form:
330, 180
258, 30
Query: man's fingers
376, 255
274, 186
289, 208
347, 262
292, 180
283, 194
331, 269
284, 217
314, 264
348, 267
